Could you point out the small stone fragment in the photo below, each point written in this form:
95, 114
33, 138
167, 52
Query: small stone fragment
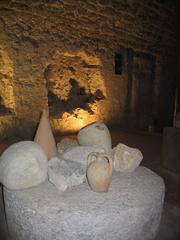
64, 174
126, 159
80, 153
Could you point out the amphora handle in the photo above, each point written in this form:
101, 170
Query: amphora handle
95, 156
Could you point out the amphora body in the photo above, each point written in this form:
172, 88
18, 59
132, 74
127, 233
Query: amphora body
99, 171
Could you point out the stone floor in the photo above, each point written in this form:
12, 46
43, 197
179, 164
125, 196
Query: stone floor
170, 223
150, 144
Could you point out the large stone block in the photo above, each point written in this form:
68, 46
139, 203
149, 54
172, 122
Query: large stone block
131, 209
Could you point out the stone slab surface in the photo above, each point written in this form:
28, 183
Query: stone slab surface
131, 210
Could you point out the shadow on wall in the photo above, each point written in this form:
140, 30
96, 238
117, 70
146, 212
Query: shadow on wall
77, 84
76, 90
77, 98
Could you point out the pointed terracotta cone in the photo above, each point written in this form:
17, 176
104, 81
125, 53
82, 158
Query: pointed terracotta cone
44, 136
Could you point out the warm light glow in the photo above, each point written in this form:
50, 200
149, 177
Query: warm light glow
87, 70
73, 122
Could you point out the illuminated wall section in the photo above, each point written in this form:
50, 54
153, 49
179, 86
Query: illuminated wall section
63, 55
7, 103
6, 84
76, 90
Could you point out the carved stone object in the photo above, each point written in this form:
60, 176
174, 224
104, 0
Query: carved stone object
96, 134
23, 165
126, 159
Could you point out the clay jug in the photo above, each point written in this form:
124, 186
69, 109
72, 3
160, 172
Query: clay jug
99, 171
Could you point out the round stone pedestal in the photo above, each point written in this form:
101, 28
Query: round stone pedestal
130, 210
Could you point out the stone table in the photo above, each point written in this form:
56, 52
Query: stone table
130, 210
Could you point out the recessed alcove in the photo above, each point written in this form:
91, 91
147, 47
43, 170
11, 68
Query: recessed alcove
76, 90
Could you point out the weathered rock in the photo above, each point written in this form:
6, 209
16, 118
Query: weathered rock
66, 143
125, 158
64, 174
96, 134
23, 165
80, 153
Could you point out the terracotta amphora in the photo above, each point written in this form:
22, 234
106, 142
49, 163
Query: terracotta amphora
99, 171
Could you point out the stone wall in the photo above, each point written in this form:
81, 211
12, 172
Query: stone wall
46, 45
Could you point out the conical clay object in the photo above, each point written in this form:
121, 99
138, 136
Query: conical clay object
44, 136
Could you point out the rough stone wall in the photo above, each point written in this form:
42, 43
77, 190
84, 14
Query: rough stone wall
78, 40
6, 83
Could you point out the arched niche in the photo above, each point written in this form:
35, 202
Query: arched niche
76, 90
7, 104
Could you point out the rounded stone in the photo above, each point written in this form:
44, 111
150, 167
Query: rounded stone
23, 165
131, 209
96, 133
125, 158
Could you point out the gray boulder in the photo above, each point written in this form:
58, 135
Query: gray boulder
96, 134
23, 165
